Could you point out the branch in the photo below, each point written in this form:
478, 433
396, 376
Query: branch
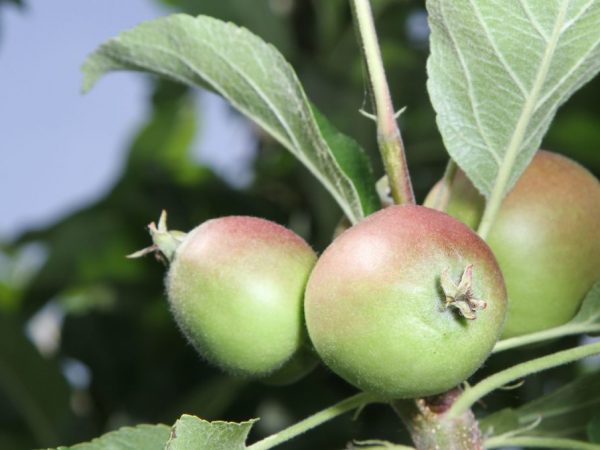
388, 134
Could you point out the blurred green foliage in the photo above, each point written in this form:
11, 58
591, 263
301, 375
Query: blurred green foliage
113, 317
13, 2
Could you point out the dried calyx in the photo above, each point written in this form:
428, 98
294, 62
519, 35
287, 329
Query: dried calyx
165, 242
461, 296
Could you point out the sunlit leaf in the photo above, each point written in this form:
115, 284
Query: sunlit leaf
147, 437
211, 398
499, 70
254, 77
192, 432
269, 19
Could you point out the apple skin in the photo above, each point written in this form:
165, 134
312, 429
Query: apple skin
545, 237
375, 310
236, 288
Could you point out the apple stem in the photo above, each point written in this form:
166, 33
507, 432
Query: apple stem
430, 426
389, 138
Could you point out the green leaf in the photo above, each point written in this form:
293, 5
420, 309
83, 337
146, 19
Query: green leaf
254, 77
165, 140
211, 398
191, 432
18, 267
593, 429
499, 70
377, 444
564, 413
270, 21
352, 160
147, 437
18, 3
34, 385
589, 313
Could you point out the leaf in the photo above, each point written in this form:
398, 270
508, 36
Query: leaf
376, 444
593, 429
43, 404
564, 413
18, 3
165, 140
18, 267
499, 70
589, 313
254, 77
264, 18
211, 398
147, 437
353, 161
192, 432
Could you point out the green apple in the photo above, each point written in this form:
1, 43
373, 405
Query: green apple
545, 237
407, 303
236, 287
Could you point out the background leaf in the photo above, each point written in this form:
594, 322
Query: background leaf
593, 429
259, 16
589, 313
14, 2
252, 75
34, 385
496, 92
192, 432
147, 437
564, 413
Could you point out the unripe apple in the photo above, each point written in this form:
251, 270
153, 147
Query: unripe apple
545, 238
236, 286
407, 303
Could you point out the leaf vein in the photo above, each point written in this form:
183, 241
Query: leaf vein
566, 76
470, 92
516, 139
533, 21
499, 54
277, 114
578, 16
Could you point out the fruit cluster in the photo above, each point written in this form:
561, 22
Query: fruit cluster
545, 238
407, 303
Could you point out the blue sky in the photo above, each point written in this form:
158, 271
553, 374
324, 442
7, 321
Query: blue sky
60, 150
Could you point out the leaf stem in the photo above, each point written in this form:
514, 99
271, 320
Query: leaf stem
388, 134
374, 444
487, 385
545, 335
310, 422
534, 441
27, 405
